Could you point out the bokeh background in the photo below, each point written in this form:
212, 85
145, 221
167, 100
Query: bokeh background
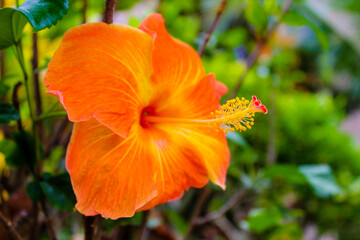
295, 175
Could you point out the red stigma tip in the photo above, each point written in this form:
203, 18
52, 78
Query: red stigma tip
264, 109
254, 98
257, 103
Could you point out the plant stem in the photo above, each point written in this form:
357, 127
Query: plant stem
50, 115
108, 16
16, 104
7, 224
226, 207
212, 27
204, 194
48, 221
84, 10
37, 96
89, 225
142, 229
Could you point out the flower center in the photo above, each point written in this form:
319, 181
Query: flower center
236, 114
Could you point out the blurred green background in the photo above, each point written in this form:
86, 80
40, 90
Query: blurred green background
295, 175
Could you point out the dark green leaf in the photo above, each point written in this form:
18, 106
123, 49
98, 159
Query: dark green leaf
19, 152
289, 173
43, 13
321, 179
7, 113
12, 24
58, 191
34, 191
39, 13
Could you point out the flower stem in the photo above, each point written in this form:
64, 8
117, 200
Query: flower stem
109, 11
7, 224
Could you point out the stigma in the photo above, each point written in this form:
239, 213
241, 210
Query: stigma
238, 114
235, 115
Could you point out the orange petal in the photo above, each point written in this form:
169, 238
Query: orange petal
102, 71
110, 175
178, 165
175, 63
187, 157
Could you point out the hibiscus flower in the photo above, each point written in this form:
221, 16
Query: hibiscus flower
142, 105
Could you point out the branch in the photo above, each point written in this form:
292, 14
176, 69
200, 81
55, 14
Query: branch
48, 221
89, 224
259, 47
204, 194
212, 27
84, 10
142, 229
16, 103
7, 224
109, 11
36, 86
226, 207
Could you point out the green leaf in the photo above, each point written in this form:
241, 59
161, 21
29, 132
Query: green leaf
298, 20
58, 191
321, 179
7, 113
12, 24
43, 13
289, 173
34, 191
39, 13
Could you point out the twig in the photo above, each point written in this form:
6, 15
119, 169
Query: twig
34, 228
142, 229
226, 207
7, 224
56, 136
108, 16
37, 96
89, 225
48, 221
16, 104
84, 10
259, 47
212, 27
204, 194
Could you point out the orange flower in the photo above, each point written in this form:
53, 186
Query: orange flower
141, 104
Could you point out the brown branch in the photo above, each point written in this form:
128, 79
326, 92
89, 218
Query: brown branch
212, 27
8, 225
204, 194
108, 16
16, 103
259, 47
226, 207
84, 10
35, 223
142, 229
48, 221
36, 86
89, 225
